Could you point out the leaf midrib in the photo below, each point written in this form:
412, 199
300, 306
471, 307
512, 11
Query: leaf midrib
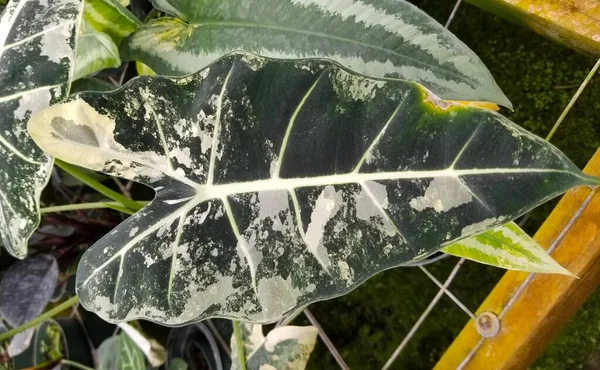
332, 37
225, 190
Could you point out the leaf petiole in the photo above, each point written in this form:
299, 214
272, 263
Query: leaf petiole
239, 344
75, 365
96, 185
40, 319
93, 205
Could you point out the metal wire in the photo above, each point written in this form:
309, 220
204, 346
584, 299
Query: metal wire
326, 340
454, 10
564, 114
567, 109
448, 293
423, 316
526, 282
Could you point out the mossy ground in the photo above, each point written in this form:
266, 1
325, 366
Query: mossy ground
539, 77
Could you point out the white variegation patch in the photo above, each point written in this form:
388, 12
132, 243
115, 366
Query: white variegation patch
283, 348
443, 194
327, 205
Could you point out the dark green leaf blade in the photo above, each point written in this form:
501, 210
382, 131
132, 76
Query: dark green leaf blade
37, 39
282, 183
379, 38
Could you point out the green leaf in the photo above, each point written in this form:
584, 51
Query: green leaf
280, 183
508, 247
91, 84
119, 352
130, 355
154, 351
143, 70
36, 55
284, 348
178, 364
95, 51
380, 38
47, 344
110, 17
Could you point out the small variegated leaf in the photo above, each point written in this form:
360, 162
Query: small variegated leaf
280, 183
380, 38
507, 247
95, 52
37, 39
154, 351
119, 352
110, 17
284, 348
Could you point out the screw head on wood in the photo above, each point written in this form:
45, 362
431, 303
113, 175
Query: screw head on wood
487, 324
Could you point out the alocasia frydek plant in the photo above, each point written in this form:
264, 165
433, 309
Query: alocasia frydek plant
281, 183
296, 147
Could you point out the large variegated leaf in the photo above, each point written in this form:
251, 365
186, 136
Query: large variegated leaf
95, 52
280, 183
507, 247
380, 38
37, 38
110, 17
284, 348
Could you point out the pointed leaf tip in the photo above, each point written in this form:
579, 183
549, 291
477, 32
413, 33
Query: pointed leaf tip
507, 247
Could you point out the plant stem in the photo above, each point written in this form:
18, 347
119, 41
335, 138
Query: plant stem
239, 344
38, 320
96, 185
93, 205
75, 365
573, 100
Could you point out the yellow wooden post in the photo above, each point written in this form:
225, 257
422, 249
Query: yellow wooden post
574, 23
532, 308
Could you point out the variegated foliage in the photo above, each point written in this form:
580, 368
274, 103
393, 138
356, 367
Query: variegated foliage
284, 348
380, 38
280, 183
508, 247
110, 17
37, 40
120, 352
95, 51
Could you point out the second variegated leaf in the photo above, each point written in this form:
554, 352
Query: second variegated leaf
379, 38
507, 247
